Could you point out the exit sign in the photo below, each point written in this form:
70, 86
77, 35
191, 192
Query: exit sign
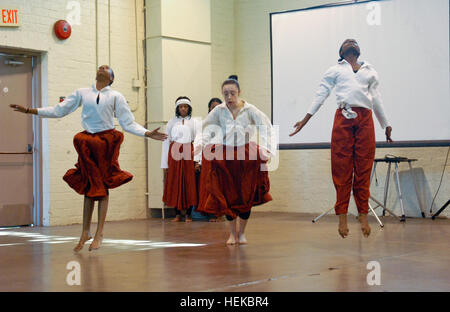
9, 17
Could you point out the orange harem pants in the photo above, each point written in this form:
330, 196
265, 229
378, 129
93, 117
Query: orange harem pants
230, 187
97, 169
352, 156
180, 189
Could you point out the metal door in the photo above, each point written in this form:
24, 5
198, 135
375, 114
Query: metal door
16, 141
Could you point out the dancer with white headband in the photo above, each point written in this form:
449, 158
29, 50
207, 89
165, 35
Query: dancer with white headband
236, 180
98, 147
178, 160
353, 137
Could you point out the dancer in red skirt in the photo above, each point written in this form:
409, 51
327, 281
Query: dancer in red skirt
206, 164
353, 137
178, 162
97, 169
236, 180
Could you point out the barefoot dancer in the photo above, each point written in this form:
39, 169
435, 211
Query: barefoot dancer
353, 137
235, 181
97, 169
177, 160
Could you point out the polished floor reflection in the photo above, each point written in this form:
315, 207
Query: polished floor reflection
286, 252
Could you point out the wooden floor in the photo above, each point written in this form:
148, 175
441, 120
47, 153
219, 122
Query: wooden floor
286, 252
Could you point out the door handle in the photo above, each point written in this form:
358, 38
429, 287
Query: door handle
29, 151
15, 153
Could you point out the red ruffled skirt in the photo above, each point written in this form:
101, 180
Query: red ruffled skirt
97, 169
230, 187
180, 190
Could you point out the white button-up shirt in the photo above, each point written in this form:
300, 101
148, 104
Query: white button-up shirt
96, 117
181, 130
358, 89
239, 131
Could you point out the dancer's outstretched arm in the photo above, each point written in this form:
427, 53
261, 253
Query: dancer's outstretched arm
299, 125
21, 109
128, 123
64, 108
378, 108
156, 135
326, 85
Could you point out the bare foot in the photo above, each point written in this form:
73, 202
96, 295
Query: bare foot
188, 219
242, 240
343, 228
365, 228
231, 240
214, 219
177, 218
83, 239
96, 243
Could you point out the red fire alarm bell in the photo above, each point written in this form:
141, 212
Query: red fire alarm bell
62, 29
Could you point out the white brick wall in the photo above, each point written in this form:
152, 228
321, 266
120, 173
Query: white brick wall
71, 65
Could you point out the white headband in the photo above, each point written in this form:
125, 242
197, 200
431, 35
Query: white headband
183, 101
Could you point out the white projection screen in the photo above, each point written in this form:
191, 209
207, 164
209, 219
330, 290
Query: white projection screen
407, 42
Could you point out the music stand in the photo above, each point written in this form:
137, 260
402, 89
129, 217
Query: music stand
396, 161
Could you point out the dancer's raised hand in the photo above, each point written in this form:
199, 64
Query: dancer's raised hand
388, 134
299, 125
18, 108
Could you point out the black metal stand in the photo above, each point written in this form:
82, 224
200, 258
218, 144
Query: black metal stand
396, 160
440, 210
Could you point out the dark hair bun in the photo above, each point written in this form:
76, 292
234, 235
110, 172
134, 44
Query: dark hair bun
234, 77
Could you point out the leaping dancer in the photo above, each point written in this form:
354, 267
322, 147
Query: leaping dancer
97, 169
353, 136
